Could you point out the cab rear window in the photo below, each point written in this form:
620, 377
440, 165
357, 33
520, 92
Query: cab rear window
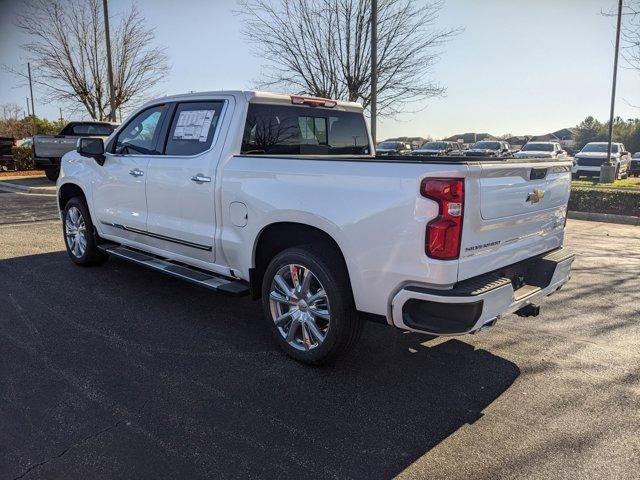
293, 130
99, 129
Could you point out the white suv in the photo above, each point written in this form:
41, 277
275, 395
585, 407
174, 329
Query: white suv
541, 150
589, 160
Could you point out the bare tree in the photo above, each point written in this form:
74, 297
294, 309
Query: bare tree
322, 48
11, 111
630, 35
67, 49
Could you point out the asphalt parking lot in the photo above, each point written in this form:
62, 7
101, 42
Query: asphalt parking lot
120, 372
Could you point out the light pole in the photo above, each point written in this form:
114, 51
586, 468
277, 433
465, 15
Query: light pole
608, 169
112, 96
33, 108
374, 68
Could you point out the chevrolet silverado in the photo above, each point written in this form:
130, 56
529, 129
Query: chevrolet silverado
283, 198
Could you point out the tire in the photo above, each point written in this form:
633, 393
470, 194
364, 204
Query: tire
324, 328
78, 233
52, 173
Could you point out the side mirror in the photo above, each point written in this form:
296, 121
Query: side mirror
91, 148
624, 153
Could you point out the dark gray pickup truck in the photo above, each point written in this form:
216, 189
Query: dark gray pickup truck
49, 149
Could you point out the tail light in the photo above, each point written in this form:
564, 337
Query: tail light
444, 233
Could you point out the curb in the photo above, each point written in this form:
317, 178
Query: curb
604, 217
13, 188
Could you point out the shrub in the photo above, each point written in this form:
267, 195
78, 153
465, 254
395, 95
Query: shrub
603, 200
23, 157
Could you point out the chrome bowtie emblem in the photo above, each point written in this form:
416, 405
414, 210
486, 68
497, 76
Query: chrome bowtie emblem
535, 196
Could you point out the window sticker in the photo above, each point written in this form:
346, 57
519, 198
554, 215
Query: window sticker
194, 125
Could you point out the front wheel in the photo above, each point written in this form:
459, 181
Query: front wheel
78, 234
308, 303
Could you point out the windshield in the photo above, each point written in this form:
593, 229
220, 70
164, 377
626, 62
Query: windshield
599, 147
486, 145
388, 145
538, 147
434, 146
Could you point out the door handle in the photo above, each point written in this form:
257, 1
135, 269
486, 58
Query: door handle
136, 172
199, 178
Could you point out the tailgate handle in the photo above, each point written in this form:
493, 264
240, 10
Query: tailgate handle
537, 173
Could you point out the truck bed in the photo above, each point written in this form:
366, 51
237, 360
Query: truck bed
455, 160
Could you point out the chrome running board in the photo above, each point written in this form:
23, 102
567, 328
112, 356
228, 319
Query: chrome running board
203, 278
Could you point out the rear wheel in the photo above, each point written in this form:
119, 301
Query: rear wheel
78, 234
308, 303
52, 173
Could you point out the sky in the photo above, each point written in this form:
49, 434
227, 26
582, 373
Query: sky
519, 67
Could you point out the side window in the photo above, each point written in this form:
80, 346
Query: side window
193, 127
140, 135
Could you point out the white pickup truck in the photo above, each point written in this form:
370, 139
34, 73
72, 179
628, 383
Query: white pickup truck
282, 197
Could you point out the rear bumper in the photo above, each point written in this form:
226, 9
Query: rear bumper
481, 300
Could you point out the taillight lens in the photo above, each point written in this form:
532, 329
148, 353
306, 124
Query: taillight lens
444, 233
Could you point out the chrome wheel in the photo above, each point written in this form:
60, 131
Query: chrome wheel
75, 232
299, 307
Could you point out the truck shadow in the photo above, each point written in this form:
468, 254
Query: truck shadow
204, 391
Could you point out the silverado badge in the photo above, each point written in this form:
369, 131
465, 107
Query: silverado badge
535, 196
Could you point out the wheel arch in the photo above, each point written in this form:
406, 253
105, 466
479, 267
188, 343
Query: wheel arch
67, 191
278, 236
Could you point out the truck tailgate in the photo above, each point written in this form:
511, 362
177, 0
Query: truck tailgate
513, 211
53, 146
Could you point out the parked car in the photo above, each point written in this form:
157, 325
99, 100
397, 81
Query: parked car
6, 158
590, 159
6, 144
25, 142
634, 165
438, 149
541, 150
489, 148
394, 148
48, 149
281, 197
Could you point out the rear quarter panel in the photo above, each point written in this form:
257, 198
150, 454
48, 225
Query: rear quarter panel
373, 210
